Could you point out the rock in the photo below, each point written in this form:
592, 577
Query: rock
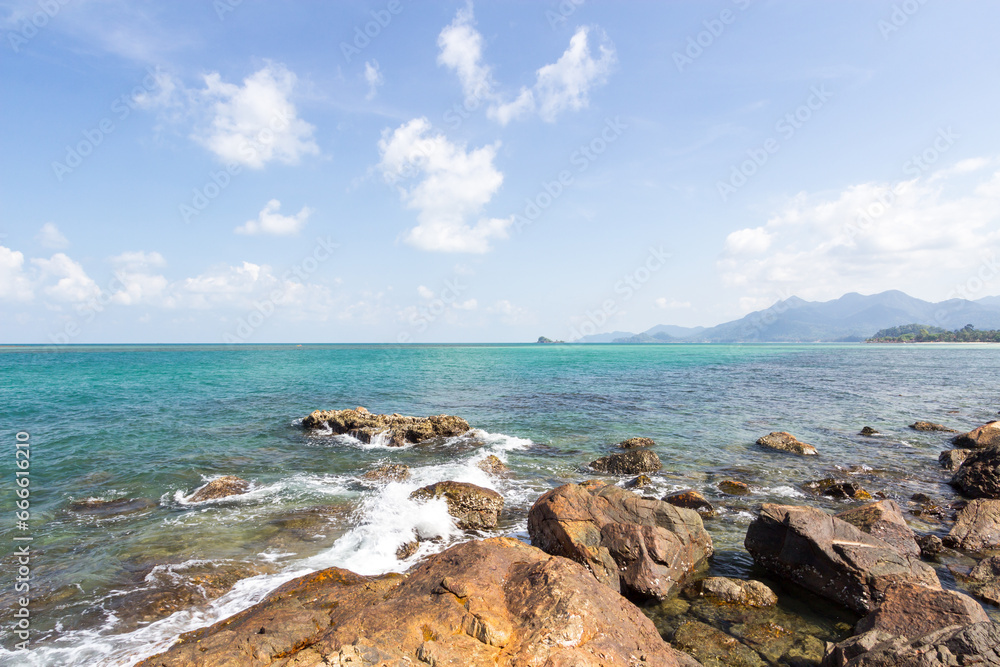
221, 487
487, 602
783, 441
953, 459
475, 508
979, 475
406, 550
982, 437
830, 557
105, 508
869, 431
930, 426
844, 490
910, 611
636, 442
885, 521
691, 500
977, 527
392, 430
638, 482
748, 593
628, 463
640, 546
984, 580
977, 644
393, 472
493, 465
930, 545
733, 488
714, 648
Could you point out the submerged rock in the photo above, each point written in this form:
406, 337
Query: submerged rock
475, 508
691, 500
392, 472
493, 465
783, 441
638, 482
984, 580
977, 527
105, 508
953, 459
747, 593
977, 644
628, 463
221, 487
407, 549
713, 647
635, 545
885, 521
636, 442
831, 557
930, 426
489, 602
392, 430
733, 488
908, 610
984, 436
979, 474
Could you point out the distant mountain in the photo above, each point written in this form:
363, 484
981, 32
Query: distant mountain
605, 337
852, 317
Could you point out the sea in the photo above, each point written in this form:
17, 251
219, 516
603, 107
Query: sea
150, 424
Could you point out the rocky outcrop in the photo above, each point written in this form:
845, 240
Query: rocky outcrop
957, 646
908, 610
985, 436
105, 508
631, 462
220, 487
636, 442
691, 500
493, 465
490, 602
838, 488
475, 508
984, 580
638, 546
831, 557
885, 521
392, 430
392, 472
953, 459
930, 426
747, 593
979, 475
783, 441
977, 527
869, 431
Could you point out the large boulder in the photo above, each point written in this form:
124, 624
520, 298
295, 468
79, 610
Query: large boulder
636, 442
984, 580
490, 602
220, 487
972, 645
952, 459
830, 556
977, 526
691, 500
631, 462
979, 474
640, 546
912, 611
475, 508
885, 521
986, 435
392, 430
783, 441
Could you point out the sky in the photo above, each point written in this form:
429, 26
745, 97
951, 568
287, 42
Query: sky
240, 171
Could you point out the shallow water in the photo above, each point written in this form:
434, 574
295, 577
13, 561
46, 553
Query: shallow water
155, 423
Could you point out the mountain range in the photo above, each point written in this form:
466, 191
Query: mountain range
852, 317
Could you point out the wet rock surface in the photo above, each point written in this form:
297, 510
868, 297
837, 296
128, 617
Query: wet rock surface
838, 488
930, 426
748, 593
732, 487
885, 521
977, 527
394, 430
392, 472
221, 487
869, 431
493, 465
475, 507
984, 580
784, 441
631, 462
691, 500
987, 435
979, 474
636, 442
973, 645
953, 459
107, 508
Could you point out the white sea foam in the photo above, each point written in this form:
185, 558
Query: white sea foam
785, 492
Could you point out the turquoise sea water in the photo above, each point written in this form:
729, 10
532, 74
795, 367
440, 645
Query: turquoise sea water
154, 423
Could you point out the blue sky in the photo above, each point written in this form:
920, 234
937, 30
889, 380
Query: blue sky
448, 172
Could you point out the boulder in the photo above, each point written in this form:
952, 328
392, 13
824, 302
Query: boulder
489, 602
220, 487
628, 463
636, 442
930, 426
911, 611
475, 508
977, 527
691, 500
391, 430
638, 482
393, 472
747, 593
930, 545
885, 521
979, 475
836, 488
953, 459
831, 557
733, 488
984, 580
783, 441
104, 508
982, 437
973, 645
869, 431
493, 465
639, 546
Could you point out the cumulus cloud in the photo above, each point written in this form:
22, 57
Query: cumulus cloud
462, 51
137, 279
374, 78
15, 285
72, 285
509, 313
50, 237
453, 185
930, 236
269, 221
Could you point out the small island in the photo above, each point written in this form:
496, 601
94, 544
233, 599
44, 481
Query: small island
543, 339
922, 333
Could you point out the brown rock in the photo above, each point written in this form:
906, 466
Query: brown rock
835, 488
733, 488
913, 611
636, 442
221, 487
953, 459
977, 526
885, 521
930, 426
747, 593
984, 580
831, 557
628, 463
475, 508
407, 550
638, 482
691, 500
979, 474
869, 431
493, 465
637, 545
930, 545
971, 645
393, 472
103, 508
491, 602
783, 441
986, 435
394, 430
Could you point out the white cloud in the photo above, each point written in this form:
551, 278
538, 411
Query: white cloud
14, 283
663, 302
566, 84
469, 304
374, 78
73, 285
269, 221
50, 237
257, 122
462, 51
509, 313
931, 237
425, 292
454, 186
136, 281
